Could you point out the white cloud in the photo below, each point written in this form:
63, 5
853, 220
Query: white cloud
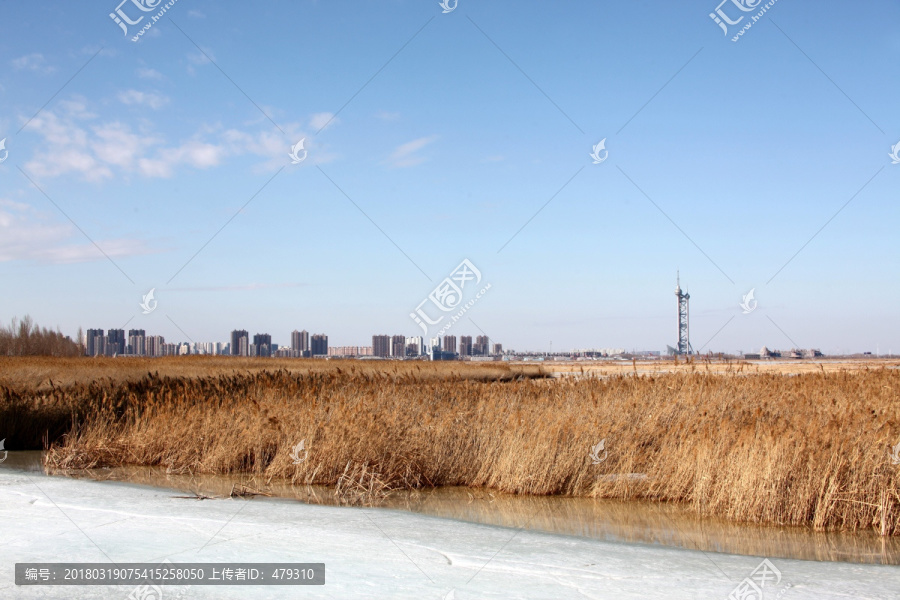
27, 234
197, 154
145, 73
32, 62
76, 142
65, 151
77, 108
405, 154
320, 120
196, 14
115, 144
151, 99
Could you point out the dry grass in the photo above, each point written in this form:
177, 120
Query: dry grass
807, 450
42, 374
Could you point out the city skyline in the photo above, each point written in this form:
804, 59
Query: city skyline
114, 342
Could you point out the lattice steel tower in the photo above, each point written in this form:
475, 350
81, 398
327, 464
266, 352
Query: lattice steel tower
684, 337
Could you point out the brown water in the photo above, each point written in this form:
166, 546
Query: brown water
610, 520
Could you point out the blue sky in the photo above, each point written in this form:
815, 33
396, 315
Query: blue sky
163, 163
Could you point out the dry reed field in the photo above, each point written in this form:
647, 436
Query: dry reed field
811, 449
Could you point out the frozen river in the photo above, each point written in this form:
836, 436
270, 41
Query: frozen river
375, 553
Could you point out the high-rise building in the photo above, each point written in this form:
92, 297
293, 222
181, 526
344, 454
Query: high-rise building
299, 342
381, 345
398, 346
435, 344
137, 342
263, 343
465, 345
415, 346
155, 345
449, 343
94, 342
240, 343
498, 349
115, 342
319, 343
204, 348
482, 346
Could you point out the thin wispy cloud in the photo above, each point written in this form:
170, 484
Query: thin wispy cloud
147, 73
199, 59
387, 116
28, 234
239, 287
320, 120
32, 62
151, 99
405, 154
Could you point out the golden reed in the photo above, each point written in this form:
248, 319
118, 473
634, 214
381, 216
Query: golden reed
812, 449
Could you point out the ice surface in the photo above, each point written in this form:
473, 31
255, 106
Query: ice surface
368, 553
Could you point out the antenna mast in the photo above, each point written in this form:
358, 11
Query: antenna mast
684, 338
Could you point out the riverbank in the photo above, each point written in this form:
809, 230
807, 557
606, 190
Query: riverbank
669, 525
